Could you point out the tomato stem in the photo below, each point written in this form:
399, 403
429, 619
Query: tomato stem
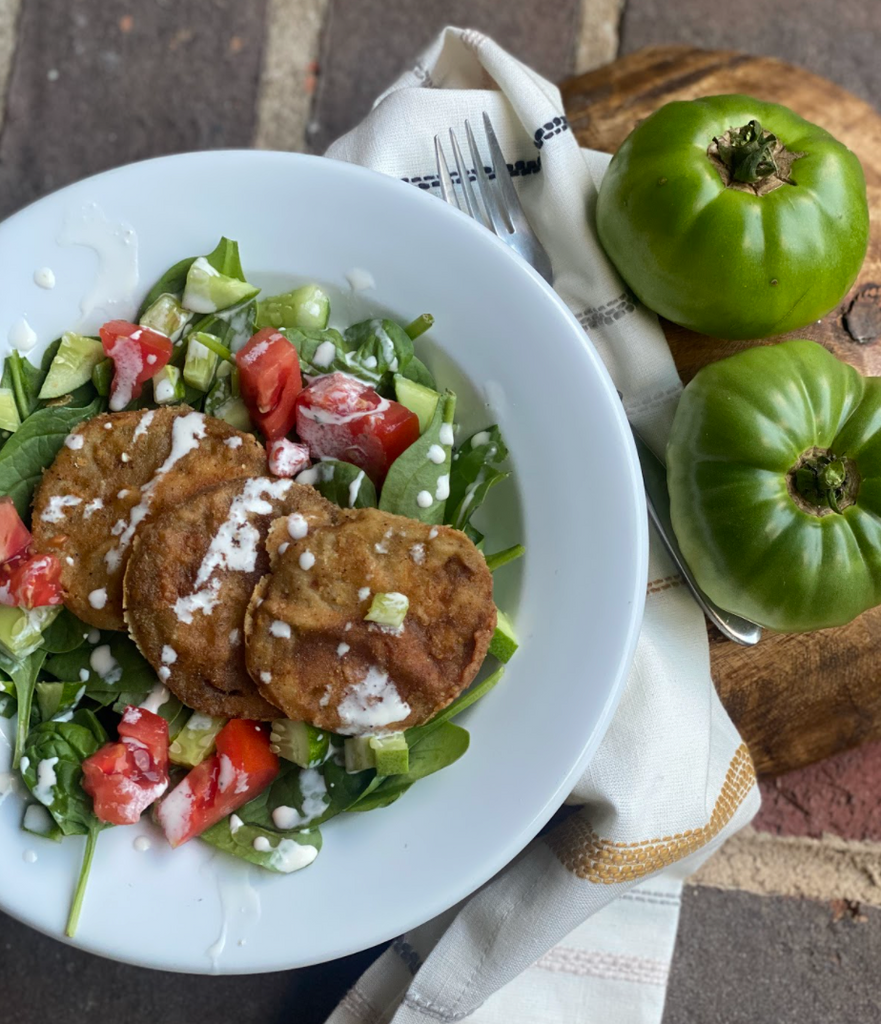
821, 482
752, 159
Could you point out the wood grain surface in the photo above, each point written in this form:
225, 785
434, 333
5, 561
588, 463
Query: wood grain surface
798, 698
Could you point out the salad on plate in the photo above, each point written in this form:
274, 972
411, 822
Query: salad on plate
240, 586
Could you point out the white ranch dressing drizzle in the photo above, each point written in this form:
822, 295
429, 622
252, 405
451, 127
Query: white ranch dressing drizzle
445, 434
57, 505
104, 664
315, 801
186, 433
234, 547
116, 245
355, 488
21, 335
239, 907
371, 704
74, 442
44, 278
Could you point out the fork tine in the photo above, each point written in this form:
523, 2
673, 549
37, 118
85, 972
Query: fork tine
448, 192
471, 204
511, 203
484, 186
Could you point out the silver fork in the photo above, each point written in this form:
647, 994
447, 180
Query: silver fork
502, 214
501, 211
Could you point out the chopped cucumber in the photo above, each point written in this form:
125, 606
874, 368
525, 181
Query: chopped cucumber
388, 609
196, 740
303, 744
200, 364
168, 387
9, 417
391, 754
235, 413
359, 754
167, 316
504, 642
307, 307
21, 629
102, 377
76, 358
207, 290
417, 398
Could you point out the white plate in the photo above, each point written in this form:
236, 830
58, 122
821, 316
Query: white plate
577, 597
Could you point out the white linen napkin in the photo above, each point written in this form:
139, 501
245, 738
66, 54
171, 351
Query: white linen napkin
581, 926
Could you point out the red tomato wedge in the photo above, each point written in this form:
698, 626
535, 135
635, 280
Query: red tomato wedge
242, 767
31, 581
138, 353
270, 380
124, 778
340, 417
14, 535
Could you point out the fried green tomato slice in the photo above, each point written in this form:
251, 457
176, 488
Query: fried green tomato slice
311, 651
189, 580
112, 475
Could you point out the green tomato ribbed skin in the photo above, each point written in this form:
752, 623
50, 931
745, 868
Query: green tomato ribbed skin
704, 255
740, 426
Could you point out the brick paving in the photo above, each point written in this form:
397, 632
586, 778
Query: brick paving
90, 85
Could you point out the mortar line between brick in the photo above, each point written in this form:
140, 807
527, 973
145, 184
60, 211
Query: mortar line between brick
9, 18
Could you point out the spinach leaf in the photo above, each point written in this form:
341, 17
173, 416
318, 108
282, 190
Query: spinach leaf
49, 355
131, 680
419, 732
24, 677
34, 446
415, 474
224, 258
339, 482
64, 633
66, 745
7, 705
24, 380
379, 348
307, 341
417, 371
500, 558
436, 750
57, 698
473, 474
280, 857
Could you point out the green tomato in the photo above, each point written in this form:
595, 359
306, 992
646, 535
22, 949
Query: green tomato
774, 471
733, 217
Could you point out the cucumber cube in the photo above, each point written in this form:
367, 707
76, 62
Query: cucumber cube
388, 609
359, 754
300, 743
207, 290
391, 754
76, 358
168, 387
417, 398
167, 316
200, 364
307, 307
9, 417
21, 629
235, 413
196, 740
504, 639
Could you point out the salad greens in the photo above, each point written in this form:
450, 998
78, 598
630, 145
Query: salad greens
69, 683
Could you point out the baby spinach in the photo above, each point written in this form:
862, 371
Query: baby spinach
224, 258
435, 750
64, 633
23, 674
378, 348
130, 681
68, 744
418, 372
307, 342
340, 481
415, 474
240, 842
34, 446
419, 732
57, 698
24, 380
474, 473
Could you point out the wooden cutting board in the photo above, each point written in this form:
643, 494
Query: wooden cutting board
796, 699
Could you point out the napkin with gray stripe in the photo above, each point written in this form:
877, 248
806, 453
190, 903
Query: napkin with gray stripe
581, 926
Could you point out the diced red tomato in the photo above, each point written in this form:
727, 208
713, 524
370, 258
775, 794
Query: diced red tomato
124, 778
242, 767
138, 353
270, 380
14, 535
287, 458
31, 581
340, 417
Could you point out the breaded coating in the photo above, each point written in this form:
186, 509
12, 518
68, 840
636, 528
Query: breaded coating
310, 650
189, 580
113, 473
